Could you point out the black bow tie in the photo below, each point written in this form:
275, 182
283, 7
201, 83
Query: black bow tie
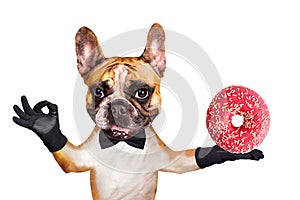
137, 141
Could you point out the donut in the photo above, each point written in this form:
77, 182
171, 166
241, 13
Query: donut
240, 102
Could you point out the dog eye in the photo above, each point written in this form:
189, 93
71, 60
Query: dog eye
142, 94
99, 93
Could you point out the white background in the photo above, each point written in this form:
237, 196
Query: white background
252, 43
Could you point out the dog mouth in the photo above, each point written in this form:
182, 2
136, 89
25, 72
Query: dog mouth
119, 133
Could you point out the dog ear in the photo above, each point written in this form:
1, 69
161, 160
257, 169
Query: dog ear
88, 50
154, 52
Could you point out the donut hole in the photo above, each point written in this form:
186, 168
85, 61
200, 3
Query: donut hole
237, 121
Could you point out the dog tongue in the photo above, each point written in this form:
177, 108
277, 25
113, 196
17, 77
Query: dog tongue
119, 129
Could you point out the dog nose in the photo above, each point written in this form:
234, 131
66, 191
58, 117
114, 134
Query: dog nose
119, 109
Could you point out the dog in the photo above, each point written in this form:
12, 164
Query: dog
123, 152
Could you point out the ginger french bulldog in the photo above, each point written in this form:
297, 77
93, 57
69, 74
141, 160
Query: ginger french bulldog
123, 152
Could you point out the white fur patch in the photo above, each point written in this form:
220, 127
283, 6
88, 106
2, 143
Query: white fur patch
120, 77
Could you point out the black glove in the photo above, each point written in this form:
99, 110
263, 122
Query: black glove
208, 156
46, 126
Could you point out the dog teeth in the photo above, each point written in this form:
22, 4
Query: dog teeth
119, 133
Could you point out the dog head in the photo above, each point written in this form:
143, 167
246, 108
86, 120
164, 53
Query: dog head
123, 94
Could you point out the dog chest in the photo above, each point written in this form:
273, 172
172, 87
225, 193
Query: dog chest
112, 184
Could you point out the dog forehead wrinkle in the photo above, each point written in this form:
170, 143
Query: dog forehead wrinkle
147, 73
107, 81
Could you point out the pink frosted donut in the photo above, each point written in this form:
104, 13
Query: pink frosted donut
238, 101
